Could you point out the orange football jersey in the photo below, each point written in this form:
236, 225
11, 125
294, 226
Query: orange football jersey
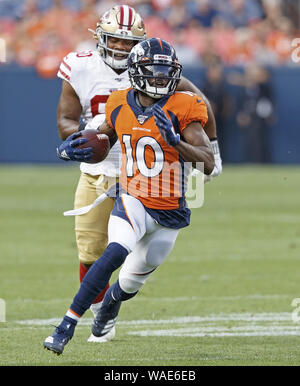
152, 171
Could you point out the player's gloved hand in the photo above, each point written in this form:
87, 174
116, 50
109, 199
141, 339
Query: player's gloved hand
207, 178
218, 160
68, 150
217, 170
165, 126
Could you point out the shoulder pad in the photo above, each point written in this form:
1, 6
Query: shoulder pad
74, 61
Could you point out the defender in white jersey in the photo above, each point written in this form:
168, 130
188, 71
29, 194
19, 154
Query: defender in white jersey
88, 79
93, 81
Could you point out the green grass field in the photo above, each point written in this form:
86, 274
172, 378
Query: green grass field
223, 296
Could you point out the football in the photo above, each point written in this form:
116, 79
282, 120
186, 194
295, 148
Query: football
98, 142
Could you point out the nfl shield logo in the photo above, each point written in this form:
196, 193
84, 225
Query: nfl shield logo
142, 118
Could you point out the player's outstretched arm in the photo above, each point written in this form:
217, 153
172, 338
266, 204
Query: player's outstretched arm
68, 111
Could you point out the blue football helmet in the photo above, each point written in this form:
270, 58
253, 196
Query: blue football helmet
153, 68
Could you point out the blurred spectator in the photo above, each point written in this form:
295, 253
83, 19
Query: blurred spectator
262, 53
279, 39
255, 111
221, 101
239, 32
240, 13
11, 9
185, 52
157, 27
193, 35
204, 12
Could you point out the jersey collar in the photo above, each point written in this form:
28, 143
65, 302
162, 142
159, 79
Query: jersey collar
142, 114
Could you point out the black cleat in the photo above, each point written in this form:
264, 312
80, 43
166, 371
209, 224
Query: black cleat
106, 318
61, 336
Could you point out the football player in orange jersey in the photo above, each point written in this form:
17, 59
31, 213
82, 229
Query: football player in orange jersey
157, 128
88, 79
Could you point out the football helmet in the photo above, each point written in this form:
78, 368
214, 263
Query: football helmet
121, 22
153, 68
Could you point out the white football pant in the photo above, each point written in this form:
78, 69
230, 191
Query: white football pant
148, 243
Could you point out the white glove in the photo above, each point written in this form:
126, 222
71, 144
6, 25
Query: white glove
217, 170
95, 122
195, 172
218, 161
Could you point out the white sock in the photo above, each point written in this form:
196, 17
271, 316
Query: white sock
71, 314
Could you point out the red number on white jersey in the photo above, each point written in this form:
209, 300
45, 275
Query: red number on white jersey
84, 54
96, 101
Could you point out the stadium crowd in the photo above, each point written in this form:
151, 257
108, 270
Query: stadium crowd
235, 32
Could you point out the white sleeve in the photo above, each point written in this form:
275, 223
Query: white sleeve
70, 66
73, 67
65, 68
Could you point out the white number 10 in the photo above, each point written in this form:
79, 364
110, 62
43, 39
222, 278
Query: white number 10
141, 164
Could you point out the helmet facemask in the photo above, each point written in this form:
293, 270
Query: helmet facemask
108, 54
157, 79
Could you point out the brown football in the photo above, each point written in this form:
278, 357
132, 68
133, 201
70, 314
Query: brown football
98, 142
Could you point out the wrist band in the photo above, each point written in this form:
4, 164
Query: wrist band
215, 145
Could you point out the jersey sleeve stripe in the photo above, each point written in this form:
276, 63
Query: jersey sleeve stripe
66, 65
64, 74
114, 114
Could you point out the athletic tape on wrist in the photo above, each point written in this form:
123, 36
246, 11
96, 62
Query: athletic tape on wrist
215, 146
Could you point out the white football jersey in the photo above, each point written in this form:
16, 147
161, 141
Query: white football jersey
93, 82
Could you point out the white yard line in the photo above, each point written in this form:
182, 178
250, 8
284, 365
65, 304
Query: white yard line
238, 317
240, 325
171, 299
232, 333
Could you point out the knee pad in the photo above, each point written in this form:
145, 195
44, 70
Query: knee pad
131, 283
